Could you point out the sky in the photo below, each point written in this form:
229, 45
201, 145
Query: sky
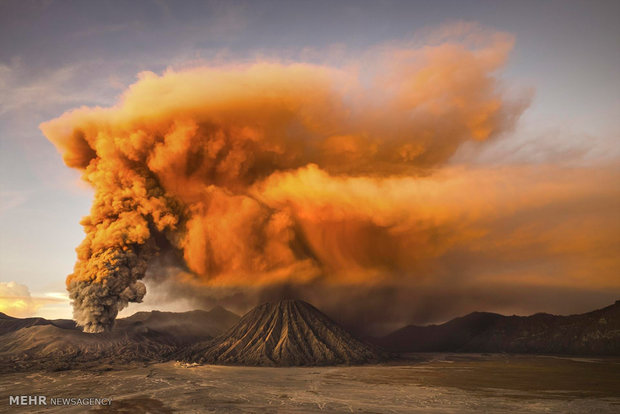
531, 208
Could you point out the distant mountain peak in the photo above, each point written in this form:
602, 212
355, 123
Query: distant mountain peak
285, 333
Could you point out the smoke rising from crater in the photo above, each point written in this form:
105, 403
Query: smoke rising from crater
219, 166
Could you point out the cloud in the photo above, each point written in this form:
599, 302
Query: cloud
16, 301
186, 162
400, 250
245, 182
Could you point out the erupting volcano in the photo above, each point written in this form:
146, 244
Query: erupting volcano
250, 176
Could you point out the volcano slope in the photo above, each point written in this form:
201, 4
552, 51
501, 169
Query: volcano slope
41, 344
284, 333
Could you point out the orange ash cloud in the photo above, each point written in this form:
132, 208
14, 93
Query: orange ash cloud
221, 165
382, 229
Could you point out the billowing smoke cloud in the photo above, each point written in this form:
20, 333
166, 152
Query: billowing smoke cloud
400, 250
271, 174
410, 249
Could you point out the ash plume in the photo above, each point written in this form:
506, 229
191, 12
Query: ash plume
233, 169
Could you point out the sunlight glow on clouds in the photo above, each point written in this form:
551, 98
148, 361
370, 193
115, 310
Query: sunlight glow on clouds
16, 301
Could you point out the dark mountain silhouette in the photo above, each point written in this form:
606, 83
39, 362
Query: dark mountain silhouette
288, 333
593, 333
285, 333
10, 324
145, 336
185, 327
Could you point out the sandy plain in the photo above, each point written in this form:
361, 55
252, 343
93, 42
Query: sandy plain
424, 383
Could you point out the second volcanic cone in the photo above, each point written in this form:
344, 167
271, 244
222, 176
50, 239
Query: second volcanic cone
284, 333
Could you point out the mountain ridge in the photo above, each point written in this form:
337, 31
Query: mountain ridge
37, 343
591, 333
291, 333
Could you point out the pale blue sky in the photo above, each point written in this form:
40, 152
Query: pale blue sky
57, 55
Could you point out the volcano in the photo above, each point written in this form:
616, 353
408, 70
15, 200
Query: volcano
284, 333
37, 343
